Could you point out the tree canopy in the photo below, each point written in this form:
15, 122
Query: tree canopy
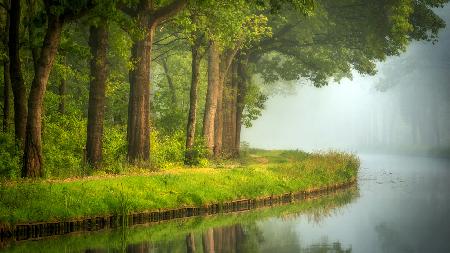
100, 83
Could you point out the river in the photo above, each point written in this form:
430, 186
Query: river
401, 204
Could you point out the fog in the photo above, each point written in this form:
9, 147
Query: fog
404, 107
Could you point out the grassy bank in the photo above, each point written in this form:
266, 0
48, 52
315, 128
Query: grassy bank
173, 233
260, 173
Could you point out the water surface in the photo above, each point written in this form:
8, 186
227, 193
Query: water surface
402, 204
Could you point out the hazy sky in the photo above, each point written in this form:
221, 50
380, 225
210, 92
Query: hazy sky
342, 115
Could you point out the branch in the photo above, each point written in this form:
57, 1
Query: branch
164, 53
173, 34
168, 43
167, 11
228, 57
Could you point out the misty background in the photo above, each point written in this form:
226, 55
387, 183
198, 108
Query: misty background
405, 107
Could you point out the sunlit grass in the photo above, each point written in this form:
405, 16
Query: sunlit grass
175, 231
263, 173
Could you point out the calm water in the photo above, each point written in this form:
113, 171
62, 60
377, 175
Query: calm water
402, 205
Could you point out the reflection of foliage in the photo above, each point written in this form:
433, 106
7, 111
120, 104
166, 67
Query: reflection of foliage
326, 247
390, 239
171, 235
254, 105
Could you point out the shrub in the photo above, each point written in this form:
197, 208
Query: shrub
166, 150
10, 157
197, 156
114, 144
64, 138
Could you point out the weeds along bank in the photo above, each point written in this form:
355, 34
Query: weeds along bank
260, 173
174, 232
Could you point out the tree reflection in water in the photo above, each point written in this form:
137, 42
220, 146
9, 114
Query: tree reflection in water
251, 235
246, 232
231, 239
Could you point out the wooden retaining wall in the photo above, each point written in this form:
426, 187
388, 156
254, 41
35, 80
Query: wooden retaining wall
29, 231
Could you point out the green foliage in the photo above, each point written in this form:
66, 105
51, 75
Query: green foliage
10, 157
266, 174
170, 104
197, 156
64, 139
287, 40
341, 37
114, 144
254, 105
169, 150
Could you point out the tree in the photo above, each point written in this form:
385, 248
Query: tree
18, 85
193, 97
56, 14
338, 38
226, 39
6, 73
147, 17
98, 42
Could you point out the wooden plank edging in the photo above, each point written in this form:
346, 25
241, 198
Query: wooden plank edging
37, 230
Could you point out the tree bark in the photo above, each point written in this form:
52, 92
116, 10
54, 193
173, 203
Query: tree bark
226, 60
233, 123
6, 80
190, 243
18, 85
240, 101
32, 161
211, 96
218, 121
31, 11
138, 127
229, 117
6, 85
208, 241
98, 42
193, 99
139, 102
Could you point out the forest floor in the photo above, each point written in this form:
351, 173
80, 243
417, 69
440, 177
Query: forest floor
258, 173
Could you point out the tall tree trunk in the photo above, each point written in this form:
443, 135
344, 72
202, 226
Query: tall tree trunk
240, 101
173, 92
211, 96
32, 161
233, 126
138, 127
218, 121
31, 12
98, 42
6, 85
190, 243
229, 117
226, 60
18, 85
208, 241
6, 81
139, 103
193, 100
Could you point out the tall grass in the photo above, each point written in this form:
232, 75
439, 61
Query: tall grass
281, 172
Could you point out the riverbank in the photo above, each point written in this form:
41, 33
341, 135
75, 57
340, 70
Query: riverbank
174, 232
258, 175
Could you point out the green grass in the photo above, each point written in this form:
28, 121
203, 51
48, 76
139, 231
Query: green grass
173, 233
261, 173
